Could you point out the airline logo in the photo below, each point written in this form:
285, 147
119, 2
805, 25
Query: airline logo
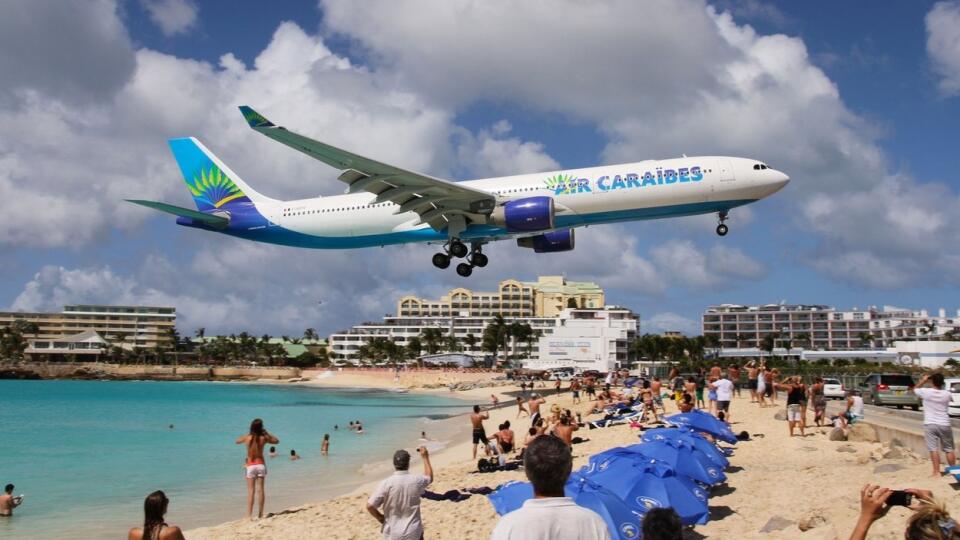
566, 184
212, 189
629, 531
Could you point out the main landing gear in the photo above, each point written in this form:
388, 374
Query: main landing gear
722, 229
456, 248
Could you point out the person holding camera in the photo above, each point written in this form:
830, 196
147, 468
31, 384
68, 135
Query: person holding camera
937, 430
8, 502
399, 496
930, 520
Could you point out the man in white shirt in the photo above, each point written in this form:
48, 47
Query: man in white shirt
399, 495
549, 515
936, 420
724, 388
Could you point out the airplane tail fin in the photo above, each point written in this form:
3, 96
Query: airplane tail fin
212, 184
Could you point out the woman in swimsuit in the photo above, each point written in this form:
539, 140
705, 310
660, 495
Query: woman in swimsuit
154, 528
646, 395
256, 468
325, 447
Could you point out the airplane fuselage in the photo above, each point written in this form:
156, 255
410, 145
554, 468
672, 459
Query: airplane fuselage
607, 194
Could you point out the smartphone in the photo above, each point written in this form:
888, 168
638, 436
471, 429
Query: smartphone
900, 498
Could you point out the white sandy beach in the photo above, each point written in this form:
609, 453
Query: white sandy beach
807, 482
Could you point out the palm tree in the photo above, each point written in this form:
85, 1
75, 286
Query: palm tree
802, 340
414, 348
310, 335
866, 339
928, 329
769, 342
431, 339
470, 341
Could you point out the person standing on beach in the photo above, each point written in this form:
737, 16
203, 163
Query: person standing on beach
733, 375
819, 401
575, 390
479, 435
565, 428
521, 408
937, 430
723, 389
399, 496
701, 384
256, 467
534, 404
656, 388
549, 515
154, 527
795, 392
752, 372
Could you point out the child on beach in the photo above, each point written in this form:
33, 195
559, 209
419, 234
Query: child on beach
521, 408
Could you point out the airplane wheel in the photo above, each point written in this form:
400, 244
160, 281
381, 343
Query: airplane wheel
458, 249
722, 229
441, 261
479, 259
464, 269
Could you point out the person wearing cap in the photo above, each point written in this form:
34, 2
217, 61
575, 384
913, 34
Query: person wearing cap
399, 497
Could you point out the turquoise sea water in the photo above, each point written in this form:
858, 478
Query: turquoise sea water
86, 453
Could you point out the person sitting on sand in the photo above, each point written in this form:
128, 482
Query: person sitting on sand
506, 438
686, 403
479, 436
154, 527
854, 410
8, 502
547, 463
399, 496
565, 428
256, 468
293, 455
325, 445
930, 519
273, 452
662, 524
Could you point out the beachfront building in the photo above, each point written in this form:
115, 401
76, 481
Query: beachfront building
87, 346
546, 297
588, 339
815, 332
123, 326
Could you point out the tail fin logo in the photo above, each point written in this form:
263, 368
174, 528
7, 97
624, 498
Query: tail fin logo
211, 188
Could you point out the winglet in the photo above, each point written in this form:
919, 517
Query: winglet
254, 118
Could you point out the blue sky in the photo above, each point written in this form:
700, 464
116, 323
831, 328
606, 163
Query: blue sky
858, 105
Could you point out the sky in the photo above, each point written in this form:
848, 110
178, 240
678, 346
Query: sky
858, 105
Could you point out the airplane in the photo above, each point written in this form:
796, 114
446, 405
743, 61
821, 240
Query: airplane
385, 205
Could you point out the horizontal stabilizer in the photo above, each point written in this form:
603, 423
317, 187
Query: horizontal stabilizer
218, 222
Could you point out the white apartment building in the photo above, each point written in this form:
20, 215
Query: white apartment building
820, 327
588, 339
344, 345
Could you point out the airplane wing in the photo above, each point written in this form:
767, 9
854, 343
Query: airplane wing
436, 201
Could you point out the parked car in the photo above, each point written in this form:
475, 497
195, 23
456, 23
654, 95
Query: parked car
562, 375
890, 389
833, 389
954, 386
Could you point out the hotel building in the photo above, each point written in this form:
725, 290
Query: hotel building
125, 326
819, 327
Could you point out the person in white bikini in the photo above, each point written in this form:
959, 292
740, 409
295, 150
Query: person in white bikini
256, 468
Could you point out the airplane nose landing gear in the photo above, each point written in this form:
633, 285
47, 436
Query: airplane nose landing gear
722, 229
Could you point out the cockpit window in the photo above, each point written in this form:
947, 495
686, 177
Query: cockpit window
762, 166
756, 167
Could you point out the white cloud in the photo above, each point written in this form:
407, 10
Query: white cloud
943, 45
172, 16
493, 153
687, 266
669, 322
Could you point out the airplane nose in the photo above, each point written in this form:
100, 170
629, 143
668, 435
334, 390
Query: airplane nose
779, 180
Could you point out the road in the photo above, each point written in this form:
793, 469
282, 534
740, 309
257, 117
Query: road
898, 418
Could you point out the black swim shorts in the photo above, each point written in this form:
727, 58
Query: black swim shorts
752, 384
479, 436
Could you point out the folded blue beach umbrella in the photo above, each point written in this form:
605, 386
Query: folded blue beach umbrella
644, 486
709, 449
623, 522
705, 422
683, 459
510, 496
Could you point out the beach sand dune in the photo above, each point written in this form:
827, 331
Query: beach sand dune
778, 487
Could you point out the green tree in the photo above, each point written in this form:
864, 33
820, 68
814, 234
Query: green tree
310, 335
470, 341
431, 338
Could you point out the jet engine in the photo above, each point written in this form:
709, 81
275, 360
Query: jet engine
550, 242
525, 215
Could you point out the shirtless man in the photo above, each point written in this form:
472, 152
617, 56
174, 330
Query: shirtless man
575, 390
564, 430
715, 372
733, 375
521, 408
690, 387
8, 502
256, 467
655, 387
479, 436
534, 404
752, 372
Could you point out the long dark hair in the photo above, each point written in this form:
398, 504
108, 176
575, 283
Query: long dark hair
154, 507
256, 432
